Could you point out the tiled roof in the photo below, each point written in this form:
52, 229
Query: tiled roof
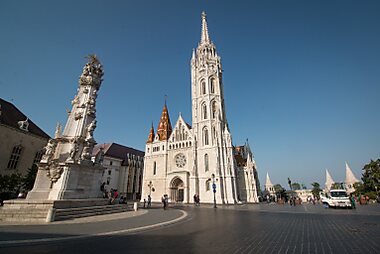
10, 115
117, 151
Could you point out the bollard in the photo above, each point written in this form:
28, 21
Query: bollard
135, 206
51, 215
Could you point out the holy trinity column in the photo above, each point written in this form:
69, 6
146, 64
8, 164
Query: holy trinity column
66, 169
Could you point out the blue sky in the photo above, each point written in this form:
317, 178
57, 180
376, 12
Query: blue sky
301, 78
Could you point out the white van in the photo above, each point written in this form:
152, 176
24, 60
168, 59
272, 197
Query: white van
336, 198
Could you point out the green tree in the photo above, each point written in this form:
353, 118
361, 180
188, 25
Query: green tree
280, 191
10, 185
316, 189
296, 186
371, 176
30, 178
359, 188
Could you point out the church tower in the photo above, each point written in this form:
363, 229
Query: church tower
209, 123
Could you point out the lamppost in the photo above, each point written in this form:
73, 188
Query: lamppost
214, 188
150, 185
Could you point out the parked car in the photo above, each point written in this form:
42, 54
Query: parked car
336, 198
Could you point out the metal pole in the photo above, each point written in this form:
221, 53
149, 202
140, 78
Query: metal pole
214, 189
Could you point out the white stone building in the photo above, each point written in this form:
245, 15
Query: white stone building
123, 168
269, 188
188, 160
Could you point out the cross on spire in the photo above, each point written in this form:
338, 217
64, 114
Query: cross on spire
205, 39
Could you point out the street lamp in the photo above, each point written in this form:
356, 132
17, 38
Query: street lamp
150, 185
214, 188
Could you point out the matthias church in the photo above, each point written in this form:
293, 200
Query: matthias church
199, 159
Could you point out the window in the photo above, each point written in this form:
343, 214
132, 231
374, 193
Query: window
205, 136
208, 183
37, 157
206, 162
109, 172
108, 180
203, 87
154, 168
15, 156
212, 85
213, 109
110, 163
204, 111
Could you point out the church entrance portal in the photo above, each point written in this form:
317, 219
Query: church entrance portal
177, 190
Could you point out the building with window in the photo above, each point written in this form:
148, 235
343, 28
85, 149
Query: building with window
200, 159
123, 168
21, 140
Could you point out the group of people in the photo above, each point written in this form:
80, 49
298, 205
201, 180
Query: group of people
149, 200
112, 195
165, 201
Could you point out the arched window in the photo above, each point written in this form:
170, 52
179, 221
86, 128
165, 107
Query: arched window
204, 111
203, 87
213, 109
206, 162
154, 168
208, 185
205, 136
212, 85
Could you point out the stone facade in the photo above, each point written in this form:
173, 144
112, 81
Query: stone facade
187, 160
123, 168
22, 141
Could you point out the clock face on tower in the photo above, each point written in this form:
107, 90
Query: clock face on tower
180, 160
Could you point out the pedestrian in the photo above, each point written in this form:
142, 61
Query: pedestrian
166, 200
195, 199
149, 201
198, 200
144, 202
352, 198
163, 202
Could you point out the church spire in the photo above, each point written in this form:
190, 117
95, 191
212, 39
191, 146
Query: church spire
164, 127
205, 39
151, 135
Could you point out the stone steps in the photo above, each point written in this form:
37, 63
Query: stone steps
79, 212
47, 211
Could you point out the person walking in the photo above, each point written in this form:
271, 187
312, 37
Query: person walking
163, 202
149, 201
352, 198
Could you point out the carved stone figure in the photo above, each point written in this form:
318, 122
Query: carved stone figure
58, 131
90, 130
49, 150
78, 115
54, 172
73, 152
99, 156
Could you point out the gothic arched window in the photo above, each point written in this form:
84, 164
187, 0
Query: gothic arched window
204, 111
203, 87
205, 136
213, 109
206, 162
208, 184
212, 85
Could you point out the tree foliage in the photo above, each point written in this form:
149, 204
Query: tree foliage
10, 183
316, 189
371, 176
30, 177
296, 186
280, 191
